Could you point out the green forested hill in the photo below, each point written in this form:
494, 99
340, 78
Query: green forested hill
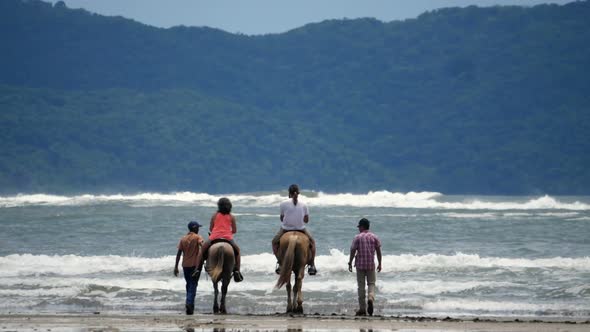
474, 100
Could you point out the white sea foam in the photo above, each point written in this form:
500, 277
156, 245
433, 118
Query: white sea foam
336, 262
435, 287
40, 292
499, 307
457, 215
145, 199
114, 286
409, 262
431, 285
259, 215
414, 200
27, 264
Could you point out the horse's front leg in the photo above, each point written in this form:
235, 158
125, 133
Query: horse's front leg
224, 285
216, 293
289, 304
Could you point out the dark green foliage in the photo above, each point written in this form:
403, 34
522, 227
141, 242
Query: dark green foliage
490, 101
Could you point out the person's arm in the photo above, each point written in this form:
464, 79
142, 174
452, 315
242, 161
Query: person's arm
353, 249
282, 212
306, 216
178, 254
378, 250
234, 228
352, 254
212, 223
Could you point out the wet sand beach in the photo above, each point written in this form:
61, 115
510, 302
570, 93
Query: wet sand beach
208, 322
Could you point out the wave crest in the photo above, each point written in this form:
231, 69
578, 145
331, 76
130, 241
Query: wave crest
412, 200
336, 262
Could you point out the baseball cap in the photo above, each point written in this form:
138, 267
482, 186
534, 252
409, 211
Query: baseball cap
193, 224
364, 223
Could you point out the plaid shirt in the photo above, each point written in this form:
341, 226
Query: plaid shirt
365, 244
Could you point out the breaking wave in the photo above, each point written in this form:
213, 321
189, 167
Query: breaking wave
413, 200
71, 265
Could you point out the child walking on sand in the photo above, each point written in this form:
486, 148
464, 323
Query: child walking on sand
188, 248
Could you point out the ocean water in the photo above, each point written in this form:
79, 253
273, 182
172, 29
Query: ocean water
458, 256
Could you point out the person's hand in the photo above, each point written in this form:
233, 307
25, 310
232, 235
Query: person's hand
379, 267
176, 271
349, 266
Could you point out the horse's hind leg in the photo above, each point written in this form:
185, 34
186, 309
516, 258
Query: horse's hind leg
289, 303
215, 305
298, 296
224, 285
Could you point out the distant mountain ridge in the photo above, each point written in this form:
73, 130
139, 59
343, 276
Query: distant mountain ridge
473, 100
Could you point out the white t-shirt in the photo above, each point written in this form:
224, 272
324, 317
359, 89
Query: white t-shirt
293, 215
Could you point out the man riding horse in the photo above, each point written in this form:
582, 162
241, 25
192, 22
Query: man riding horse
294, 216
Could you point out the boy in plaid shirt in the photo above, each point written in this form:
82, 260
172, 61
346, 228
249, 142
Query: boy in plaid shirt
364, 246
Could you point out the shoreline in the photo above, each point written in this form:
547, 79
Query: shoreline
275, 322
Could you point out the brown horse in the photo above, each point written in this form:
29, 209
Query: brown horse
220, 266
294, 253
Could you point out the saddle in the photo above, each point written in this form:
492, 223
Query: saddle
206, 252
293, 230
300, 231
219, 240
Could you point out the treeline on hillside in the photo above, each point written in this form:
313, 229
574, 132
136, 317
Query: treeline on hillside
123, 140
474, 100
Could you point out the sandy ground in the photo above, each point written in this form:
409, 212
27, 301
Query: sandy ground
202, 322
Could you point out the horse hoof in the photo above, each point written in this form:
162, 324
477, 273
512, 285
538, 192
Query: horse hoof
215, 309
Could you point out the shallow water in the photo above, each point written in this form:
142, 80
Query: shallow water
457, 256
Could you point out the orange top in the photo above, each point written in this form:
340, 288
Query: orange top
189, 245
222, 227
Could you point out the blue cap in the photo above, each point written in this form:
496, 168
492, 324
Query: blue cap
193, 224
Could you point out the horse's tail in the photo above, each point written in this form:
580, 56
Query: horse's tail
217, 270
287, 262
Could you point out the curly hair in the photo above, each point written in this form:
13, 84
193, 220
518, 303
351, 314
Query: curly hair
224, 205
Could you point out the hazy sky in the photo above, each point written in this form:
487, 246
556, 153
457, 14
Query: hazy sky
271, 16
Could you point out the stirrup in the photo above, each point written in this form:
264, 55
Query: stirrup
312, 270
238, 277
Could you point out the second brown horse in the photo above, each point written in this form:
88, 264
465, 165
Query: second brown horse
294, 253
